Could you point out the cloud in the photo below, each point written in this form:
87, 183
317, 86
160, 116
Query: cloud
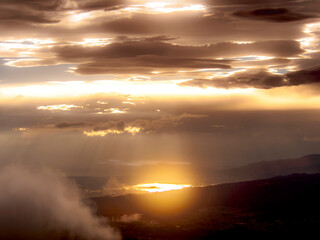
146, 65
35, 11
144, 56
273, 15
49, 5
259, 78
72, 124
100, 4
246, 2
101, 133
24, 16
305, 76
133, 125
165, 122
60, 107
251, 78
217, 25
145, 47
39, 203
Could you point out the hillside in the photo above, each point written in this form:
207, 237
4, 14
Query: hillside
286, 207
267, 169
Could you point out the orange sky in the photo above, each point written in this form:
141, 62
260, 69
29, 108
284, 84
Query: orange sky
106, 87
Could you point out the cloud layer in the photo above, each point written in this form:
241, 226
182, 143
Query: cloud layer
271, 42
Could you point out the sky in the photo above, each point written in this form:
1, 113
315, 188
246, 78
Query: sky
162, 89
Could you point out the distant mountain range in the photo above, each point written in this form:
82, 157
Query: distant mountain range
267, 169
258, 170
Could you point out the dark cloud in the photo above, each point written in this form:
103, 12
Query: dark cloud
247, 79
44, 12
247, 2
313, 60
48, 5
259, 79
34, 11
101, 4
72, 125
220, 25
160, 38
25, 16
305, 76
146, 65
145, 56
146, 125
273, 15
279, 62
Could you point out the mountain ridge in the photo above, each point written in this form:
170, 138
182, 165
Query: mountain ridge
266, 169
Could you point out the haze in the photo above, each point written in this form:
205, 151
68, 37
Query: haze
122, 88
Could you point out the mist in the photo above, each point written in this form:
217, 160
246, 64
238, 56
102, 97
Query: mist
43, 204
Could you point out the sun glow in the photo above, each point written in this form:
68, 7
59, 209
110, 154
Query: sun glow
143, 88
160, 187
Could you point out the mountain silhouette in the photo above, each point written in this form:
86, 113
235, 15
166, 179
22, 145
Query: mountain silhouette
267, 169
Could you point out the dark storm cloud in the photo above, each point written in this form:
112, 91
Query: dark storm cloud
145, 56
259, 79
273, 15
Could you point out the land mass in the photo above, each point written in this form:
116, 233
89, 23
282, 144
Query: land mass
284, 207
